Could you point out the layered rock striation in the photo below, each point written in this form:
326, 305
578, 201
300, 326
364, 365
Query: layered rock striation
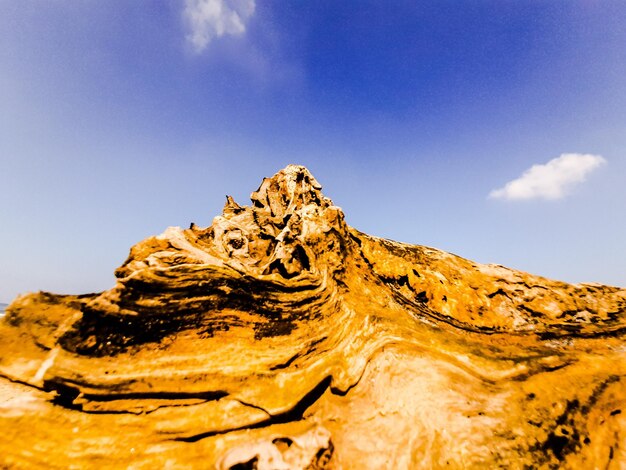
281, 338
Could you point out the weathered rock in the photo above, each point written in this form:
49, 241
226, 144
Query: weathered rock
280, 337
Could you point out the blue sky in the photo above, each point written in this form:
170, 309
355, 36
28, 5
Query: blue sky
122, 118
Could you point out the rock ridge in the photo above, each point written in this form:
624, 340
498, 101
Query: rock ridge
280, 337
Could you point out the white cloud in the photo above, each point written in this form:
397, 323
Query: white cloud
208, 19
551, 180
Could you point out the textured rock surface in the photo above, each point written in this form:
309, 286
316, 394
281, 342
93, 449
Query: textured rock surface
279, 338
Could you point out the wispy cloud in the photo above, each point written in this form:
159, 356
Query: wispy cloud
208, 19
551, 180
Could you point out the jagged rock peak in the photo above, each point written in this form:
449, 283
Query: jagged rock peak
284, 229
290, 189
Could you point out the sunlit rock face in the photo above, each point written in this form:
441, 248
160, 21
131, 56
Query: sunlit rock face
281, 338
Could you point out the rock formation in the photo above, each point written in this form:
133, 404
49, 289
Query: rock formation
281, 338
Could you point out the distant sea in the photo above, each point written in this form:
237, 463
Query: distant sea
2, 307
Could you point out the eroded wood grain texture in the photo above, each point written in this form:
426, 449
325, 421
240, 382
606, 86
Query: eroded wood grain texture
281, 338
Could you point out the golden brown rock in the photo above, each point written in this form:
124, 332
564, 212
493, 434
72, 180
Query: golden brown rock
280, 338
